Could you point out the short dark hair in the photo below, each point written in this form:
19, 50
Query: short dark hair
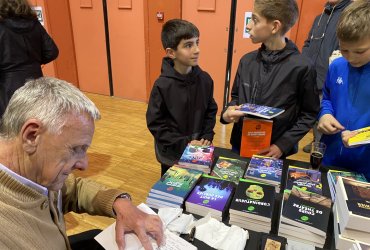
353, 24
174, 30
286, 11
16, 8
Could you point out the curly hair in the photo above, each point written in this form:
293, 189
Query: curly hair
16, 8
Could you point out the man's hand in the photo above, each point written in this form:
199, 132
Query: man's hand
232, 114
272, 151
329, 125
130, 218
201, 142
346, 135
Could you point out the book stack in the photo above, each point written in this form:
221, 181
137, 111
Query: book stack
252, 206
229, 169
173, 187
305, 216
306, 179
333, 175
197, 157
266, 170
351, 212
211, 195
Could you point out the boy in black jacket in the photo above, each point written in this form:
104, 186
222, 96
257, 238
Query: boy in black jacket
181, 107
275, 75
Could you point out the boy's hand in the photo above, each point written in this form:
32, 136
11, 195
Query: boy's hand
346, 135
272, 151
232, 114
201, 142
329, 125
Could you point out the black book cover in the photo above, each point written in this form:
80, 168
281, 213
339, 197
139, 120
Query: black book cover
358, 194
310, 210
254, 198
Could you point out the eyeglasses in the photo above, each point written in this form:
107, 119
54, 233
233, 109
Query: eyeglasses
313, 37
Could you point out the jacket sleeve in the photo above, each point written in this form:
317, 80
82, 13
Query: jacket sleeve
308, 108
50, 50
209, 118
82, 195
156, 121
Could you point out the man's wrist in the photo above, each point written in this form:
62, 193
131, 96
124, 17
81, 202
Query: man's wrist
124, 196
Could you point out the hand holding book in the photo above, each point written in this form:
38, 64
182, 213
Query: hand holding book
233, 114
357, 137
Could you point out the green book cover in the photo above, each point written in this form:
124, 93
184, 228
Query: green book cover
229, 169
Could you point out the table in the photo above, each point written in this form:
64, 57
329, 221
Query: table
254, 237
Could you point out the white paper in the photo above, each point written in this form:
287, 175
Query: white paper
247, 19
294, 245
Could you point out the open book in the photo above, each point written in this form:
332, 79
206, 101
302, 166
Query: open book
260, 111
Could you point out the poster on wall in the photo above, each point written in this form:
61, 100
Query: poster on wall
40, 16
247, 19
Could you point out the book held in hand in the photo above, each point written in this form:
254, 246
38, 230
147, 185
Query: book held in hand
197, 157
260, 110
256, 135
229, 169
362, 137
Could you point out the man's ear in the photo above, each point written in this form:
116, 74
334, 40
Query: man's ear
276, 26
170, 53
31, 132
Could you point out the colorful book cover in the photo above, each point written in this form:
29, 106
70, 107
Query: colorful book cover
306, 179
253, 197
307, 210
264, 168
362, 137
260, 111
177, 182
212, 192
197, 155
358, 194
334, 174
256, 135
229, 169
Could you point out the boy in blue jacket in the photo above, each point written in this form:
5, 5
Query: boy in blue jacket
181, 107
346, 95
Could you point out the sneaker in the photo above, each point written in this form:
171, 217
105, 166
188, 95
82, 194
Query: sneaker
307, 148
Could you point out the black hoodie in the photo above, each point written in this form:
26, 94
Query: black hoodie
25, 45
282, 79
181, 108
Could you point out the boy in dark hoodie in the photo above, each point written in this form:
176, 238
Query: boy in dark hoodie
181, 107
275, 75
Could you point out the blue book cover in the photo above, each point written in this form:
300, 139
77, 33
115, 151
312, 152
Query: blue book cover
197, 155
177, 182
306, 179
260, 110
264, 168
213, 193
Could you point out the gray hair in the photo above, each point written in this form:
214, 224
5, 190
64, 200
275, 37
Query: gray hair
48, 100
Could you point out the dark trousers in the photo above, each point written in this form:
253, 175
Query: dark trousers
85, 240
164, 168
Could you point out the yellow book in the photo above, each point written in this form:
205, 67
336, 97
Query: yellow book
362, 137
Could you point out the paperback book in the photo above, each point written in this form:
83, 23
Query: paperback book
362, 137
210, 195
306, 179
197, 157
260, 110
229, 169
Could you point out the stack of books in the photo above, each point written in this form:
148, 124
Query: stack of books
252, 206
305, 216
211, 195
351, 213
306, 179
173, 187
229, 169
333, 175
197, 157
266, 170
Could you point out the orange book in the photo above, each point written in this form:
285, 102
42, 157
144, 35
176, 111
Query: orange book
256, 135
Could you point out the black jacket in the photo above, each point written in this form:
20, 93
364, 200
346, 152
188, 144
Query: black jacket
283, 79
24, 46
181, 108
322, 39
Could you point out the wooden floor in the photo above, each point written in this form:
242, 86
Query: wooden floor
122, 155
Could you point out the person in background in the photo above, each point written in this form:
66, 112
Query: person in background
275, 75
346, 94
44, 135
181, 107
320, 44
24, 47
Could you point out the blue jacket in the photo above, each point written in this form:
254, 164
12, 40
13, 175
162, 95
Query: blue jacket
346, 96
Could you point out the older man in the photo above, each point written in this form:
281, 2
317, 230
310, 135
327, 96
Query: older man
44, 135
